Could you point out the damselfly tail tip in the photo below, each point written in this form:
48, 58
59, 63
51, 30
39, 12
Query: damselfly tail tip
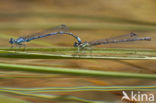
148, 38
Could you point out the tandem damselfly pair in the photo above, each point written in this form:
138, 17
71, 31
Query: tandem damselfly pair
63, 29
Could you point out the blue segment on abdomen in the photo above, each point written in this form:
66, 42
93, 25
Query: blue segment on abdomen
41, 36
79, 40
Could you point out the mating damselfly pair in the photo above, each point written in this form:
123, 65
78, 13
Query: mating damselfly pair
63, 29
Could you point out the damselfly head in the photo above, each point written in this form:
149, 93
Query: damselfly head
76, 44
11, 41
81, 45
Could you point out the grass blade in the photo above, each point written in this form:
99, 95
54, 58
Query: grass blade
128, 54
92, 73
84, 88
53, 97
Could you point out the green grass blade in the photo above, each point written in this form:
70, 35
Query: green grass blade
51, 70
84, 88
7, 99
53, 97
128, 54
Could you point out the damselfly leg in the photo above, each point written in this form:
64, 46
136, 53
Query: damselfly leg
24, 47
87, 51
12, 46
84, 51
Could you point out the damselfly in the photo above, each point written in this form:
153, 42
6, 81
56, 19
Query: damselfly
123, 38
62, 29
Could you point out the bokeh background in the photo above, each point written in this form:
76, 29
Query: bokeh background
90, 20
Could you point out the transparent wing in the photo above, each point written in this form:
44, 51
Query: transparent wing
60, 28
125, 36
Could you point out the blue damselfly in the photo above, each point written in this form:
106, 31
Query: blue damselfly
62, 29
123, 38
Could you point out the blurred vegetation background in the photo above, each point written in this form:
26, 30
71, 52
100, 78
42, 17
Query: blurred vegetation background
90, 20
